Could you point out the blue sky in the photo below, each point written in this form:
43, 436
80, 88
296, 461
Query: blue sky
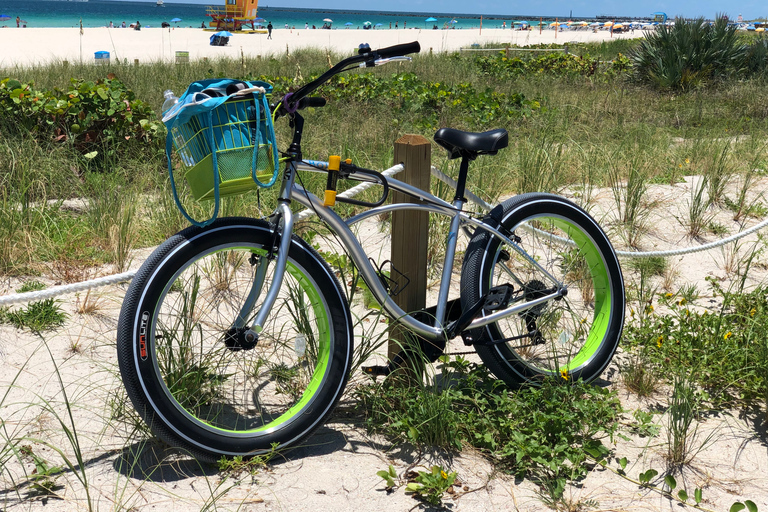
750, 9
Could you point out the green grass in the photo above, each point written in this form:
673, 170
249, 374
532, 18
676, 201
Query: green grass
587, 132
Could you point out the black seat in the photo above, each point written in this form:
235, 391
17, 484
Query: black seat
470, 144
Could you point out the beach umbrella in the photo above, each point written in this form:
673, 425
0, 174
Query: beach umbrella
453, 21
4, 17
175, 20
348, 23
608, 24
328, 20
367, 23
259, 19
223, 33
378, 24
430, 19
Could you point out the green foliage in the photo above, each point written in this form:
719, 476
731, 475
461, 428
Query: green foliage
37, 316
429, 100
43, 478
90, 115
431, 485
546, 433
500, 67
725, 349
389, 476
30, 286
252, 465
688, 54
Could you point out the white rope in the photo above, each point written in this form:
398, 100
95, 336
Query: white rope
56, 291
7, 300
627, 254
64, 289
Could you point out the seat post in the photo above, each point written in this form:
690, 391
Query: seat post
462, 181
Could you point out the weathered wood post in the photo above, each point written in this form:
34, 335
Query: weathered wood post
410, 231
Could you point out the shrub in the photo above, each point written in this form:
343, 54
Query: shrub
688, 54
89, 115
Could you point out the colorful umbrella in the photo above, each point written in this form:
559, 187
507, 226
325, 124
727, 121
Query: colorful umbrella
431, 19
223, 33
175, 20
348, 23
328, 20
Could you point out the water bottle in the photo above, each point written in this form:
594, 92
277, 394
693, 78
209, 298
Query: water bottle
170, 100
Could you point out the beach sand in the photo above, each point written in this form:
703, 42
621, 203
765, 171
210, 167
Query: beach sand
35, 46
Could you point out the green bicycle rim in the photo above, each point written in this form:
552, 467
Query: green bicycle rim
602, 289
320, 371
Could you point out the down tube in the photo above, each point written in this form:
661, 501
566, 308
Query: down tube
360, 258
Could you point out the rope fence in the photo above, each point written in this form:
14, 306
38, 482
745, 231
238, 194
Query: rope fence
55, 291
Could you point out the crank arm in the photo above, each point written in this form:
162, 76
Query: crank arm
519, 308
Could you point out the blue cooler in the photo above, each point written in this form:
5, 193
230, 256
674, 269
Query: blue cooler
101, 57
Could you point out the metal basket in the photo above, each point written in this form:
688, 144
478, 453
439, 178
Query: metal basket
229, 148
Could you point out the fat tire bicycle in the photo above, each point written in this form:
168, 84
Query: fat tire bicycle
236, 338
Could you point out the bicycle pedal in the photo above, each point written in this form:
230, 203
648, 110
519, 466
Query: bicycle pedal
498, 297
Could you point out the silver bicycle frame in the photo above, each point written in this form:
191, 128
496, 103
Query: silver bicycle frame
360, 258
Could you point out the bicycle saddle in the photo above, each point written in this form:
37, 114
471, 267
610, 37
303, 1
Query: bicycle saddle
458, 143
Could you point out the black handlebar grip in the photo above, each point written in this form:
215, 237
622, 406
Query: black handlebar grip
399, 50
312, 101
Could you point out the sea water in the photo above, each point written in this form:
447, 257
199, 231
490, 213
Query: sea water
45, 13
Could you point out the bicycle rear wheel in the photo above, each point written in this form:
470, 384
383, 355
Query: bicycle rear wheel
574, 336
199, 385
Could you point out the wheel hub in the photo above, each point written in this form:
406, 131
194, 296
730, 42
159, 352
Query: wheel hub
242, 338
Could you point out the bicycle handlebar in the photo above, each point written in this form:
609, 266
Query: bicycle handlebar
292, 102
399, 50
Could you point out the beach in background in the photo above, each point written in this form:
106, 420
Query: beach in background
39, 46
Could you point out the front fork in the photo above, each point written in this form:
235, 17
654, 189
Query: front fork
284, 228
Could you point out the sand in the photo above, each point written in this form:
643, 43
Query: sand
32, 46
335, 469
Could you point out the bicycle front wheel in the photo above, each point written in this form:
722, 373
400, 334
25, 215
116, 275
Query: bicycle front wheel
186, 364
574, 336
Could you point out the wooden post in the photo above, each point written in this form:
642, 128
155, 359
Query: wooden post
410, 231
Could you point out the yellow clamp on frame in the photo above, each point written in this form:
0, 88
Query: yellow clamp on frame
334, 162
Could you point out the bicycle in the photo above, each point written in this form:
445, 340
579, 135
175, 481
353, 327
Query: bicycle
236, 338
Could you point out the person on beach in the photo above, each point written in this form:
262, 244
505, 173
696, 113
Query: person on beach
137, 26
306, 25
122, 25
18, 20
111, 25
269, 30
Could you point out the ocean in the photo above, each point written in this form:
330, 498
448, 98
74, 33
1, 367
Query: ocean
46, 13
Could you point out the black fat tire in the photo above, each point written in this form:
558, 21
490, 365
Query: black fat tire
521, 362
236, 393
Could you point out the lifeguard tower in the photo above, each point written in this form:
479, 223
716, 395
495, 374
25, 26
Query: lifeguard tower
234, 15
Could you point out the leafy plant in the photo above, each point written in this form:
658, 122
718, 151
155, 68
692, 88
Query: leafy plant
389, 475
43, 477
431, 485
688, 54
544, 433
91, 115
37, 316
